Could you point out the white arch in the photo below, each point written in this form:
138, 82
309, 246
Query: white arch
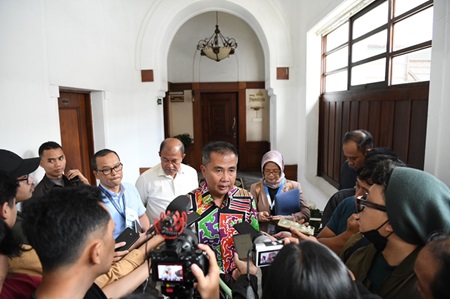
163, 20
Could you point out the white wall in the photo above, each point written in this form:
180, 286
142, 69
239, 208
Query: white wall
102, 45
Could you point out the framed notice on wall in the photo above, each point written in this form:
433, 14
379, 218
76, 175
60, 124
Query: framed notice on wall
176, 96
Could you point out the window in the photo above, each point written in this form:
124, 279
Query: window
387, 43
375, 76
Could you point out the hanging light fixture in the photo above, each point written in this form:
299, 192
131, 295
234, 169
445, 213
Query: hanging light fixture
217, 47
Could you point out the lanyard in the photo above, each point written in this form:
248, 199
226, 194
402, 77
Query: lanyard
114, 203
272, 202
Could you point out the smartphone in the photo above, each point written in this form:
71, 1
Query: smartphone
243, 243
129, 236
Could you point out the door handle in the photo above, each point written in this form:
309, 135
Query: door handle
233, 127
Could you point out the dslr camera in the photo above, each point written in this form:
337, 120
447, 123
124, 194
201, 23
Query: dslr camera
171, 262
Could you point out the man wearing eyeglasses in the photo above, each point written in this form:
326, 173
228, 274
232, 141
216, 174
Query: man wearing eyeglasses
20, 169
398, 214
121, 199
53, 161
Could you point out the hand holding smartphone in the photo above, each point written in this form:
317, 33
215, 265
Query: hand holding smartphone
128, 236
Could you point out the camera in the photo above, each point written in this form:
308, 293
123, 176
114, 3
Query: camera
266, 252
171, 262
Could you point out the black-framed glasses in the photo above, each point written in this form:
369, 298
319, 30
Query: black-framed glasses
107, 171
361, 203
26, 178
271, 171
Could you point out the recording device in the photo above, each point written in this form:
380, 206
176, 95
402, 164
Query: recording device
263, 249
266, 252
74, 180
171, 262
129, 236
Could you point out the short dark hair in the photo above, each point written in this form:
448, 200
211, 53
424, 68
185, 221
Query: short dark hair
221, 147
440, 248
101, 153
382, 172
10, 244
8, 188
57, 225
362, 138
300, 270
373, 158
48, 146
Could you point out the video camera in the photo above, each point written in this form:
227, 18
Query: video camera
171, 262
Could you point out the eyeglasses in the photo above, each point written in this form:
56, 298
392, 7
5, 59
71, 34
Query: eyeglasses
361, 203
107, 171
271, 171
27, 178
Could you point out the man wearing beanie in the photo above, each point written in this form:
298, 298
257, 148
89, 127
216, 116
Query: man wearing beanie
401, 210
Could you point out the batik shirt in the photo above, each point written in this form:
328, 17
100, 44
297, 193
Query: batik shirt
215, 228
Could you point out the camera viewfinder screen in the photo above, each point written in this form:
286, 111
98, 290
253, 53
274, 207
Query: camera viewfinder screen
170, 272
267, 257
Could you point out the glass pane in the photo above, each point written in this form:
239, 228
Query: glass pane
412, 67
370, 72
371, 20
414, 30
336, 82
368, 47
337, 37
337, 60
402, 6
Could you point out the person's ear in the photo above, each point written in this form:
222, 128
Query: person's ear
389, 228
182, 157
95, 252
203, 169
4, 212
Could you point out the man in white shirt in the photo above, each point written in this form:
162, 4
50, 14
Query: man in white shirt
159, 185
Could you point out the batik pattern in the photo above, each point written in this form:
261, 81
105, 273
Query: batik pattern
216, 225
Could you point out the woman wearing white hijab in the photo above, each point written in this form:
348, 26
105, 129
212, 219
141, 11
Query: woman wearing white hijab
273, 183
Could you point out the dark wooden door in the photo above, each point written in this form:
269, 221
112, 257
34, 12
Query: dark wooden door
219, 115
76, 131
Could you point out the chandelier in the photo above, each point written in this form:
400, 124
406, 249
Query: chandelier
217, 47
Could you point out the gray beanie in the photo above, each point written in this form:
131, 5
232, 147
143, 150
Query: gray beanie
417, 205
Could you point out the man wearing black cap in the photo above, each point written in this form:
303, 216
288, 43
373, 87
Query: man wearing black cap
21, 169
400, 211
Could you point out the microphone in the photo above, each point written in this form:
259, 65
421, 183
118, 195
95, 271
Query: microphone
180, 204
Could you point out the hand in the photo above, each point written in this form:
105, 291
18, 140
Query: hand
301, 236
353, 224
75, 172
302, 221
242, 266
278, 217
208, 286
264, 216
118, 255
282, 235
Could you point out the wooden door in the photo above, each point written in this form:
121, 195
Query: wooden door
75, 121
219, 117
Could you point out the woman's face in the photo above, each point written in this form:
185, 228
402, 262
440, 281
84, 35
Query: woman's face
271, 172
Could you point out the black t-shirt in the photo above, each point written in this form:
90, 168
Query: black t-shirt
94, 292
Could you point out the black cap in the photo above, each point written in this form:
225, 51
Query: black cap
15, 165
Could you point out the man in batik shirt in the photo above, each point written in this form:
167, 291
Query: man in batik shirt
220, 203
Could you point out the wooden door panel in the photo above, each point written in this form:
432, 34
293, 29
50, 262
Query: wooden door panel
220, 117
76, 131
